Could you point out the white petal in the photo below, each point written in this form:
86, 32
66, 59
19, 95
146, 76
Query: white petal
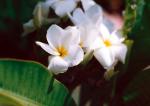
98, 43
63, 7
57, 65
123, 53
79, 18
47, 48
54, 35
72, 36
63, 37
88, 36
28, 27
119, 51
75, 55
104, 32
108, 23
105, 57
116, 37
95, 14
87, 4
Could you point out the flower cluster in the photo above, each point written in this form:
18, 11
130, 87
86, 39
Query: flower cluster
89, 35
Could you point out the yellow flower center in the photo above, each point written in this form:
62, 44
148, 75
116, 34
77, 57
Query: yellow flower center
81, 44
107, 43
62, 51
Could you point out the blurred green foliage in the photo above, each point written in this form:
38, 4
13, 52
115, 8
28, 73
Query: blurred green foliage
138, 22
16, 10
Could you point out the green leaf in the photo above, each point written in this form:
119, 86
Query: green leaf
138, 91
30, 84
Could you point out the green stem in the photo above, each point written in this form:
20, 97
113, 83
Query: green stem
114, 87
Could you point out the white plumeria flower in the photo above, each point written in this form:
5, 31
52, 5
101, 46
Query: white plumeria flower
111, 48
40, 17
63, 47
62, 7
88, 23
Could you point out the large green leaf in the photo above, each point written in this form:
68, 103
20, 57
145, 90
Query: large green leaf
30, 84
